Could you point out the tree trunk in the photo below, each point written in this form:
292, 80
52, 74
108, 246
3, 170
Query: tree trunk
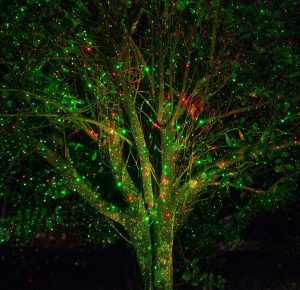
141, 240
144, 259
156, 264
163, 253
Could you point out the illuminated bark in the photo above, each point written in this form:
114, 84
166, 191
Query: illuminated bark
153, 247
143, 251
163, 249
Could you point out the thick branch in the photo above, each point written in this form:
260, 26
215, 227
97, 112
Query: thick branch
103, 126
168, 165
142, 149
209, 176
67, 171
73, 117
119, 169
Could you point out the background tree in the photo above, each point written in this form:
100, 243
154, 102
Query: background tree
179, 104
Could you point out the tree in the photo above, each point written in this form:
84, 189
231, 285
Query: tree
182, 102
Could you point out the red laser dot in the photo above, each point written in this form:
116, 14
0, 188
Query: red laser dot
155, 124
88, 49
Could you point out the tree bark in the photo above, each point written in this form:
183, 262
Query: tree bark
143, 254
139, 231
163, 252
155, 259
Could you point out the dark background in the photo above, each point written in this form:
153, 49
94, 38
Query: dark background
272, 262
